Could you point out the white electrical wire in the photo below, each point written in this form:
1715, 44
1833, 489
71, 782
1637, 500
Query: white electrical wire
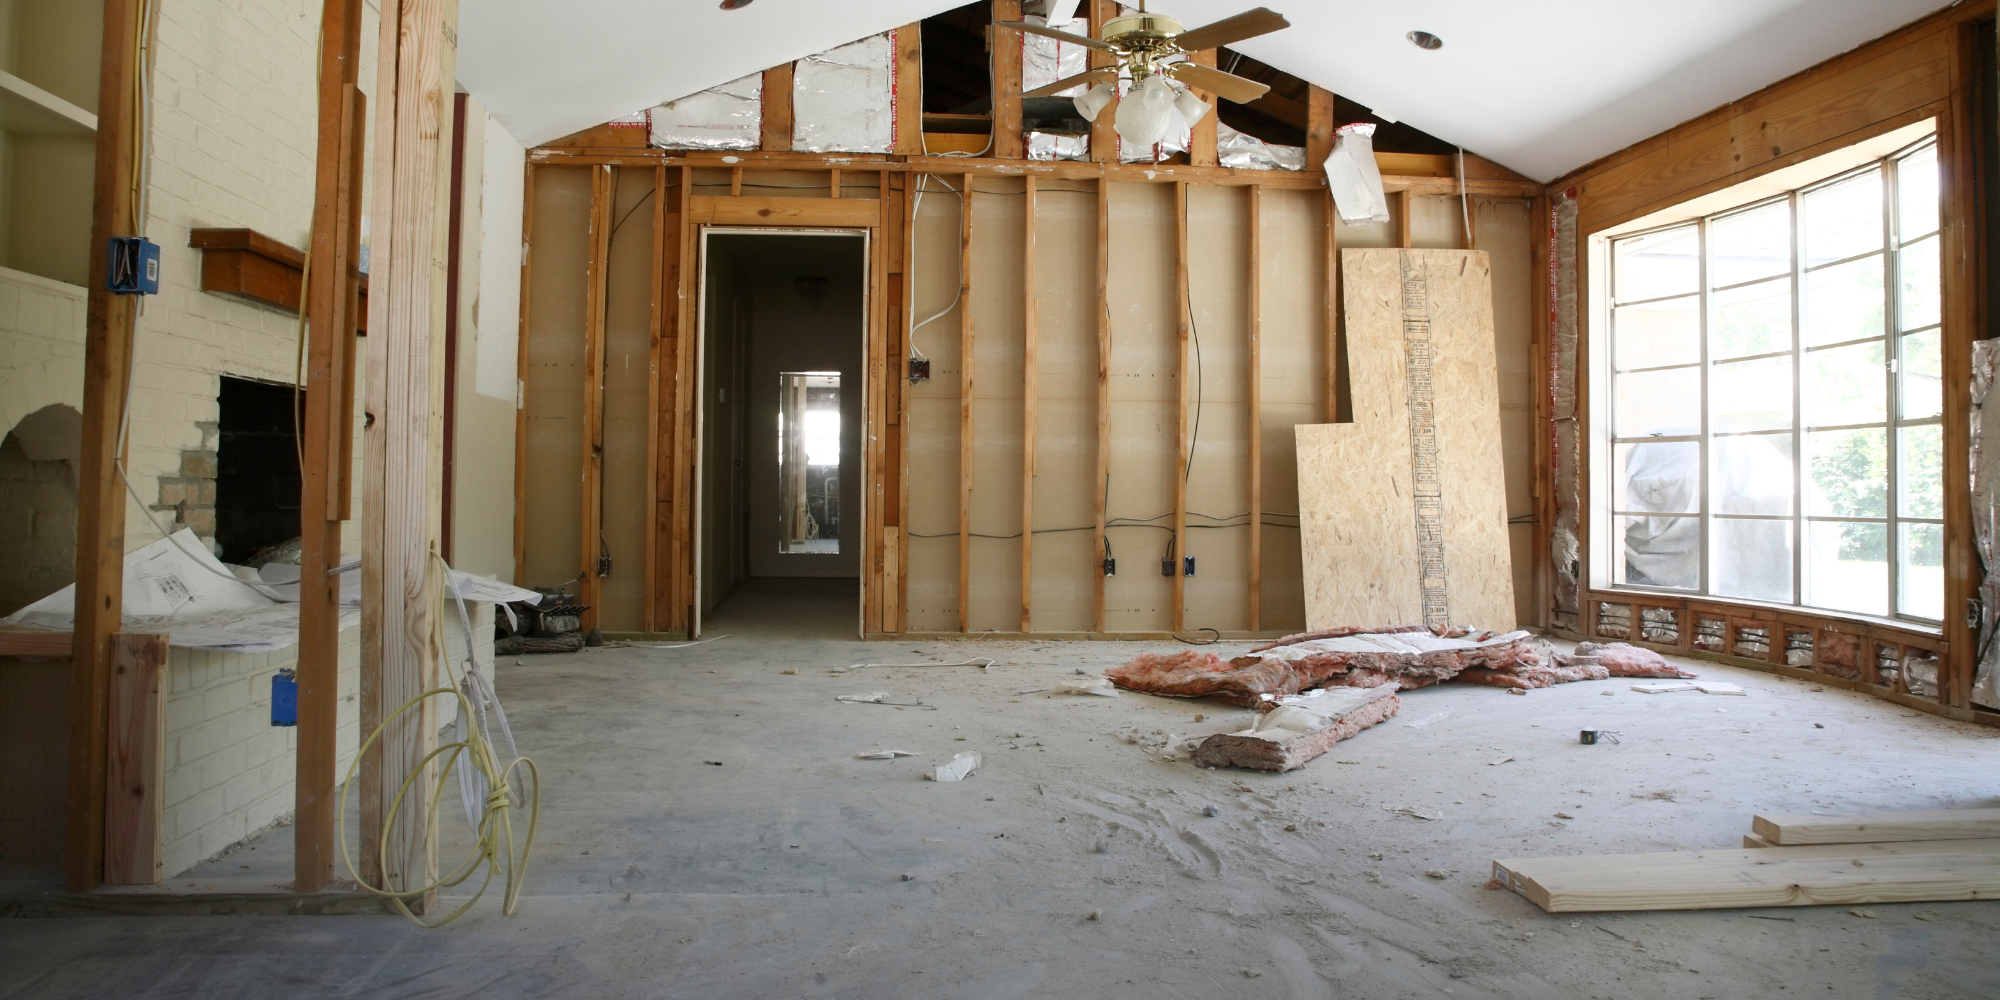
1464, 203
486, 786
923, 182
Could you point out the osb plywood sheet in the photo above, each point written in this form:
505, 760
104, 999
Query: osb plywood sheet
1404, 510
553, 390
627, 358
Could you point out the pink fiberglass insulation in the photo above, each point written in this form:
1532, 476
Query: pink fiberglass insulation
1410, 656
1622, 660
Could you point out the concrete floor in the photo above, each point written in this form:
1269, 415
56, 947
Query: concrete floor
1075, 863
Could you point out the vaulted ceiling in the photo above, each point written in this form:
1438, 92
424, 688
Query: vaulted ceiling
1542, 86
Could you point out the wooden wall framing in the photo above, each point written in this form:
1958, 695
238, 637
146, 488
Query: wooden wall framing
1921, 71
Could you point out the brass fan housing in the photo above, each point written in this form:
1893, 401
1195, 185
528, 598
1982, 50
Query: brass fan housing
1146, 30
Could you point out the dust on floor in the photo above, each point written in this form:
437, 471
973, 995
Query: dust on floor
1077, 863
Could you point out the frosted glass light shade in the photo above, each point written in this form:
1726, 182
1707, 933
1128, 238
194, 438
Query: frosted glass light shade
1091, 102
1145, 112
1190, 106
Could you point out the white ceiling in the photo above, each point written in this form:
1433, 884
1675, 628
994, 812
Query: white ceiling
1542, 87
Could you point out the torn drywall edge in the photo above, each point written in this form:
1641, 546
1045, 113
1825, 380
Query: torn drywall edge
727, 117
844, 99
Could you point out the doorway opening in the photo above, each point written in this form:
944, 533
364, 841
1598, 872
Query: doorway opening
784, 333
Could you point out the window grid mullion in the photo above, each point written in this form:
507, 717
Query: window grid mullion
1798, 418
1702, 477
1892, 353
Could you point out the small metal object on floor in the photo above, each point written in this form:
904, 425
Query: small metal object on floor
1590, 737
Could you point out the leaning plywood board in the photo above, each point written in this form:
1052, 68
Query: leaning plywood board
1922, 824
1403, 511
1738, 878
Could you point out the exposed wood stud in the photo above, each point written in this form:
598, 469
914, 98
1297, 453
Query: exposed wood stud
833, 184
1202, 137
1103, 138
331, 304
681, 561
521, 375
965, 387
907, 303
1320, 124
1101, 487
736, 182
910, 89
1253, 361
596, 283
777, 108
878, 349
1403, 220
1030, 358
135, 805
1960, 170
1336, 336
399, 579
1540, 233
100, 537
656, 360
1007, 45
1182, 375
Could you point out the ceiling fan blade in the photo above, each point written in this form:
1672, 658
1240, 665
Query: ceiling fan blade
1102, 73
1227, 86
1062, 36
1249, 24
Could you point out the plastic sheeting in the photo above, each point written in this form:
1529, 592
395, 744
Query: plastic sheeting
727, 117
1247, 152
1665, 551
1985, 526
844, 99
1355, 179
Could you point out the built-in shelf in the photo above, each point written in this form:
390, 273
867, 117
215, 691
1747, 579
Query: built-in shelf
26, 109
250, 264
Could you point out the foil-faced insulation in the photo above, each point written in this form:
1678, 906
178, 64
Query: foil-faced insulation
1247, 152
1353, 176
1046, 146
727, 117
1055, 129
844, 99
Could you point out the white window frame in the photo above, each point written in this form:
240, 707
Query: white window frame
1606, 494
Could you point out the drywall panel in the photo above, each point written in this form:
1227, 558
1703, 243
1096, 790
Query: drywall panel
553, 380
1503, 229
1218, 494
1405, 509
1145, 400
1292, 374
1065, 558
482, 469
994, 592
933, 411
628, 337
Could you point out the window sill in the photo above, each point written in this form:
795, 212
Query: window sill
1764, 610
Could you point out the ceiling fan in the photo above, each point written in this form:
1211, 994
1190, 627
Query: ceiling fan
1146, 42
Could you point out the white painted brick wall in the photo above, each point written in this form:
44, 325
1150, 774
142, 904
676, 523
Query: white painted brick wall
229, 772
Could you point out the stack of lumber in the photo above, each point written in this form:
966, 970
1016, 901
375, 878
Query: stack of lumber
1789, 860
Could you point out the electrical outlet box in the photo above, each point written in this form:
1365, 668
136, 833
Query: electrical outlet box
1166, 565
134, 266
1110, 566
284, 698
920, 369
1187, 567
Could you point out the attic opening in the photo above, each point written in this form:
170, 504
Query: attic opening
255, 491
1279, 117
958, 70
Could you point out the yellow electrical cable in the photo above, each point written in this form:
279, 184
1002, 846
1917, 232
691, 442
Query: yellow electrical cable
494, 823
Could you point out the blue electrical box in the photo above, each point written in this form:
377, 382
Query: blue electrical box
135, 266
284, 698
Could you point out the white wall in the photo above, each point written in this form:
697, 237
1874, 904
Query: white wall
489, 310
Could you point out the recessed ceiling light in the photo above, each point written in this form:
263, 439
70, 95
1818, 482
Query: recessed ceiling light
1421, 39
735, 4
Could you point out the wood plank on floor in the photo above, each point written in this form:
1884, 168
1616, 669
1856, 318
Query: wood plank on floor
1737, 878
1792, 830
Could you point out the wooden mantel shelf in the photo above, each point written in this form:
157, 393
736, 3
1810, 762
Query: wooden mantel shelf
248, 263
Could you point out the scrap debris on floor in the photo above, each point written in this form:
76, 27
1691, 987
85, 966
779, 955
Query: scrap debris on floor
1295, 679
1936, 855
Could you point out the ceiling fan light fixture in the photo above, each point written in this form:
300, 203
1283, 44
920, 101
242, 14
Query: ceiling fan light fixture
1425, 40
1190, 106
1092, 102
1144, 113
